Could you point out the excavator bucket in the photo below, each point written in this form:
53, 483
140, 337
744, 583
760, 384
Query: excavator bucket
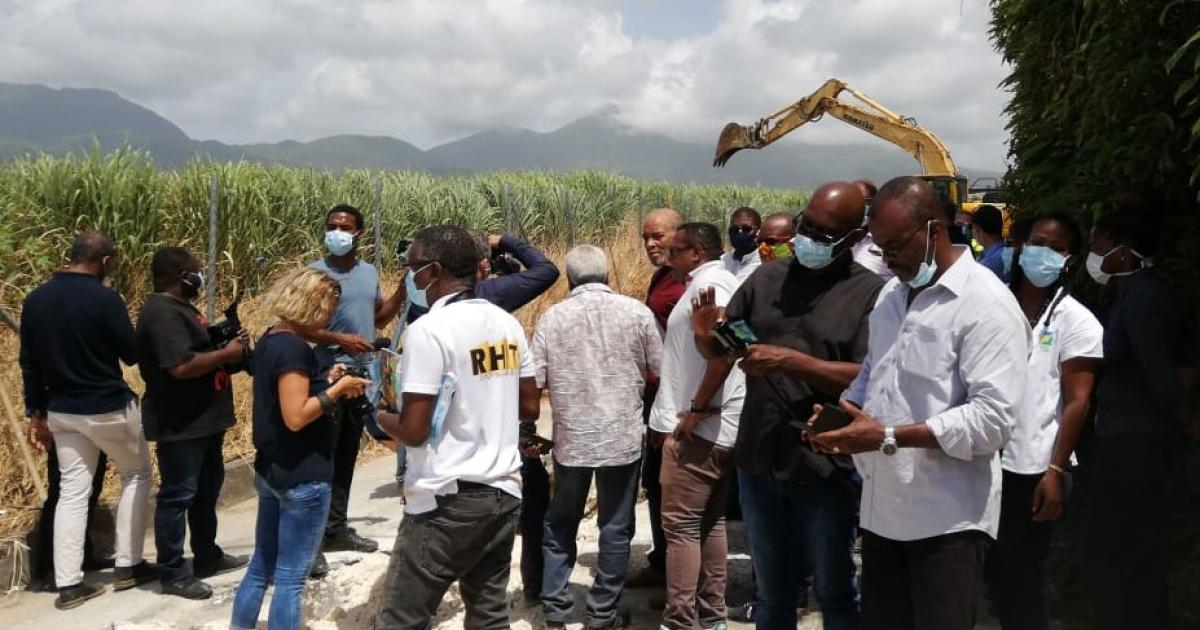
734, 138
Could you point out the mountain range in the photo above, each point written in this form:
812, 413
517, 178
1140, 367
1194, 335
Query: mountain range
40, 119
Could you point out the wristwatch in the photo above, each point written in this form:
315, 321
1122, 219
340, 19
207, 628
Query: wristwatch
889, 441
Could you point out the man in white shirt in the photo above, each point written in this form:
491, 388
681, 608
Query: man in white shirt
933, 404
696, 411
866, 252
462, 489
593, 352
744, 226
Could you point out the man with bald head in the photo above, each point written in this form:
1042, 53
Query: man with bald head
932, 405
665, 288
810, 314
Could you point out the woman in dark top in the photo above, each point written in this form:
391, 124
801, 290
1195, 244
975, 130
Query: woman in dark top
1138, 426
293, 440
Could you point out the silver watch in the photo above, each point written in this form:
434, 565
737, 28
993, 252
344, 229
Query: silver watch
889, 441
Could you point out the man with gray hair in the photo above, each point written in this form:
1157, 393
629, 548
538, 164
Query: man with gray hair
593, 352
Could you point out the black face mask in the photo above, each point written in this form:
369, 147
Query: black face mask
193, 284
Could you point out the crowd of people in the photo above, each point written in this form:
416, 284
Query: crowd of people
850, 379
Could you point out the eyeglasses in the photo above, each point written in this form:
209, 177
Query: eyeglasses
742, 229
891, 250
823, 237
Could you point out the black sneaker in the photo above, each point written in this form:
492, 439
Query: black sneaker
72, 596
188, 588
319, 567
125, 578
224, 564
617, 621
743, 613
99, 564
349, 540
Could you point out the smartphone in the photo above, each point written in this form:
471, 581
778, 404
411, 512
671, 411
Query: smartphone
735, 334
532, 439
831, 418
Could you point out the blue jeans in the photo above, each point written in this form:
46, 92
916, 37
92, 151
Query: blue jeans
616, 493
192, 473
792, 525
286, 536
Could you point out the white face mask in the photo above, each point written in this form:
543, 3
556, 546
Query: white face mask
1095, 265
928, 267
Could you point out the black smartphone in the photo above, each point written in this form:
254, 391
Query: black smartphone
735, 334
831, 418
532, 439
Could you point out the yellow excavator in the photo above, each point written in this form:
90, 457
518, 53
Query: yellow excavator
936, 165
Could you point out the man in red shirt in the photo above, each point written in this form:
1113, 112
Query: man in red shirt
665, 290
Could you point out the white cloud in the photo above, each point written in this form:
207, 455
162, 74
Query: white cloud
433, 70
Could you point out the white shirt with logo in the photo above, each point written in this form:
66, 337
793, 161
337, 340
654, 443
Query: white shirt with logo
484, 348
683, 366
1068, 331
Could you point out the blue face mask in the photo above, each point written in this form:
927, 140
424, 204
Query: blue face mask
339, 243
928, 268
1041, 265
743, 243
811, 254
416, 296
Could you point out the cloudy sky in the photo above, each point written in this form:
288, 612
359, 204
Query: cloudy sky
430, 71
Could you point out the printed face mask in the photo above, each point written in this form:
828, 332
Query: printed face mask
768, 252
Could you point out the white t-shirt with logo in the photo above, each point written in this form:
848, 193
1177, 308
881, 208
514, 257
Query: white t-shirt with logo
683, 366
484, 348
1071, 332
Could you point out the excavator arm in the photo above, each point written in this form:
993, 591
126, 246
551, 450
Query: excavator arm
872, 118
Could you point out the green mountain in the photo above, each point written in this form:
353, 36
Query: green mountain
35, 118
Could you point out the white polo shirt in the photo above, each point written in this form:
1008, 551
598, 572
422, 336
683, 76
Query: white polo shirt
484, 348
1069, 332
683, 366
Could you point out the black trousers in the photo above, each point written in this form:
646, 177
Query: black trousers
1016, 563
468, 539
535, 493
191, 473
927, 584
651, 466
44, 555
345, 455
1129, 526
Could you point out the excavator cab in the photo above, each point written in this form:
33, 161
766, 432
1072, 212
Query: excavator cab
954, 187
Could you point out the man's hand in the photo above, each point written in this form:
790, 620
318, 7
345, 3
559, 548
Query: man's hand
1048, 497
688, 420
401, 293
494, 240
705, 312
862, 435
236, 349
762, 359
353, 344
39, 432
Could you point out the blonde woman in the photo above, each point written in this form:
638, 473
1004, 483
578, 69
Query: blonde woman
293, 437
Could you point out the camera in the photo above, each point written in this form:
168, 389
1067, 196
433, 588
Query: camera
361, 406
503, 264
226, 330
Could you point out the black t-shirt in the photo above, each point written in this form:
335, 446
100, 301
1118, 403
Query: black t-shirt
170, 332
286, 457
821, 313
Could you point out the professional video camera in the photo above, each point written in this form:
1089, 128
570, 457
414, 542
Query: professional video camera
226, 330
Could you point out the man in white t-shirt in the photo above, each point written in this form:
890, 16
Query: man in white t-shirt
462, 489
696, 414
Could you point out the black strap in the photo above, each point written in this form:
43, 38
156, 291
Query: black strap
469, 294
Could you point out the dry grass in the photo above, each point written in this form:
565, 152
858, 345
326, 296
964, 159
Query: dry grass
19, 502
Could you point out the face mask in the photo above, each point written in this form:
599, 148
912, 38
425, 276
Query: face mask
416, 296
193, 283
1042, 265
928, 267
339, 243
812, 254
768, 252
1006, 257
1095, 265
743, 243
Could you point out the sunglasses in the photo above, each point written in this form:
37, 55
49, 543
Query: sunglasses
823, 237
742, 229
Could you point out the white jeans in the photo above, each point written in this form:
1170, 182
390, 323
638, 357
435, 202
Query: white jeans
78, 439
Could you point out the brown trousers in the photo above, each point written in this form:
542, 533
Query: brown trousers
695, 481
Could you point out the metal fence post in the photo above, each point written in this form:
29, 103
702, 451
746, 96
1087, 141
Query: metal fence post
569, 211
379, 224
211, 284
508, 209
